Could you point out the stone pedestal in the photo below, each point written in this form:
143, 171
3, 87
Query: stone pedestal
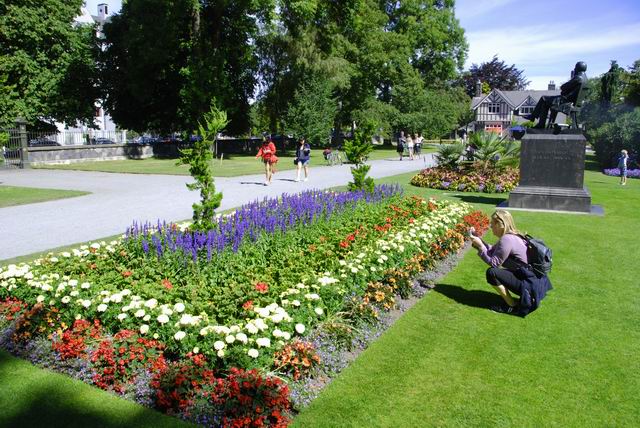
552, 172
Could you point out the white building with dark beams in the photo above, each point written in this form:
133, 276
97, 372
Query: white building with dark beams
497, 110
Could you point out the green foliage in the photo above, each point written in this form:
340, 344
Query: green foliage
357, 150
312, 112
622, 133
199, 160
47, 64
449, 155
631, 85
164, 80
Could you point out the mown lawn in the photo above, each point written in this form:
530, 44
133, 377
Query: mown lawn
229, 166
11, 195
451, 362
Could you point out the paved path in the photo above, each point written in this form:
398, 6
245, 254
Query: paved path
119, 199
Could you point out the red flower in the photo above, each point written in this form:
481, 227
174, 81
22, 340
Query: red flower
127, 273
248, 305
262, 287
167, 284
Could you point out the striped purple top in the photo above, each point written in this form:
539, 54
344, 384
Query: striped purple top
498, 254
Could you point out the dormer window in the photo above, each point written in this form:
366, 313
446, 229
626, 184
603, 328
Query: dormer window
494, 108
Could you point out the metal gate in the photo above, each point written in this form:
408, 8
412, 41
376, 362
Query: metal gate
13, 142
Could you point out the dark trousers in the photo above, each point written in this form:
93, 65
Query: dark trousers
498, 276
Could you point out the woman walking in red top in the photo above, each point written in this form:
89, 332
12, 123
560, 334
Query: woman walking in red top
268, 154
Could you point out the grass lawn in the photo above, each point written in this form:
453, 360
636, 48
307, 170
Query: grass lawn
10, 195
449, 361
39, 398
232, 166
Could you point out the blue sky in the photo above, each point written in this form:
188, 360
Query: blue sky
544, 38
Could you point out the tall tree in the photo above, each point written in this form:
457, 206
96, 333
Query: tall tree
497, 74
47, 62
166, 60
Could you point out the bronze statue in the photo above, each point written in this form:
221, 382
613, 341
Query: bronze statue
568, 94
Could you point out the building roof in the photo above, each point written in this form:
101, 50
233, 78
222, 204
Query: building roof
514, 98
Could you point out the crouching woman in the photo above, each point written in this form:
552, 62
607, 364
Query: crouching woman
509, 272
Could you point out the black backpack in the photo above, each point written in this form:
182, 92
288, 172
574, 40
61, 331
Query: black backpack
539, 255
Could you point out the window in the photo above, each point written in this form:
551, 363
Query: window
526, 110
493, 128
494, 107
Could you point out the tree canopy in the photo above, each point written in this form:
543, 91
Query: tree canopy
47, 64
496, 74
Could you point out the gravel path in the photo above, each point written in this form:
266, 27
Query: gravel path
119, 199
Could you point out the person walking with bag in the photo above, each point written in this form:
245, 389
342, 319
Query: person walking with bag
303, 155
509, 270
268, 154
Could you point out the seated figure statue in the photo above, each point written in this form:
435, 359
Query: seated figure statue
568, 94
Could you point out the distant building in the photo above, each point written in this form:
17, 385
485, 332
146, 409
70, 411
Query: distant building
497, 110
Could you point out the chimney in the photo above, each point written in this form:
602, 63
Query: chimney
478, 88
103, 11
552, 86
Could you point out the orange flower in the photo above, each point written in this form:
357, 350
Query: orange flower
127, 273
262, 287
167, 284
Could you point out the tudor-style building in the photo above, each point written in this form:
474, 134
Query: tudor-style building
497, 110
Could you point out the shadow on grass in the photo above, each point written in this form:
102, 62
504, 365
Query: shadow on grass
474, 298
38, 398
475, 199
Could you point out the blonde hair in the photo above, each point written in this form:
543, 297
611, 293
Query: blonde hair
504, 217
624, 152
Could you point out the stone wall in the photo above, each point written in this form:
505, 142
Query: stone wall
73, 154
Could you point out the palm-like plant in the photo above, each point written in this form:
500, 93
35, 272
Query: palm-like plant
449, 155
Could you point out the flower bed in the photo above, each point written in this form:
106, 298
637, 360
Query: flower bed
197, 324
615, 172
462, 180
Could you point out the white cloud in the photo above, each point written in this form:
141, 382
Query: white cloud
549, 52
468, 10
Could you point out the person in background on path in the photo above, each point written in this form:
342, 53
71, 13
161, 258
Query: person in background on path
410, 146
303, 154
402, 142
418, 145
268, 154
622, 166
509, 270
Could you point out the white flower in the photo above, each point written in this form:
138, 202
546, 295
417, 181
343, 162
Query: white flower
312, 296
263, 342
179, 335
65, 254
186, 319
162, 319
178, 307
300, 328
354, 270
73, 282
259, 323
286, 335
218, 345
152, 303
40, 298
263, 312
318, 311
74, 293
121, 317
251, 328
146, 317
242, 337
85, 285
253, 353
156, 335
144, 328
230, 339
53, 259
95, 246
102, 307
65, 299
140, 313
86, 303
196, 350
296, 303
221, 353
373, 269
